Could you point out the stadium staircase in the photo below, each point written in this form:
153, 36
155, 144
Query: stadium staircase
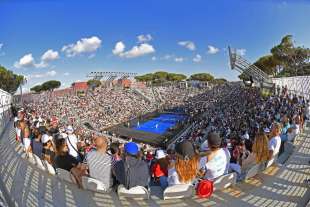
24, 184
237, 62
157, 97
139, 92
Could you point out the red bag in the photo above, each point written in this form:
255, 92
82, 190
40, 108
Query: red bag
204, 189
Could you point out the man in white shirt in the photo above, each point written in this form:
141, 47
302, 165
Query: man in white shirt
72, 142
217, 161
275, 141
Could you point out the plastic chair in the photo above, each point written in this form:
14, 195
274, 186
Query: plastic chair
49, 167
253, 171
64, 175
94, 185
178, 191
138, 192
225, 181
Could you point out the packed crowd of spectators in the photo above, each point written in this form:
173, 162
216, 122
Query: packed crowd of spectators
233, 127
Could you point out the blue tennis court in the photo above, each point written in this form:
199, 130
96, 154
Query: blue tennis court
160, 124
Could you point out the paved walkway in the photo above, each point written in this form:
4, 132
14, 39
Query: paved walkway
277, 186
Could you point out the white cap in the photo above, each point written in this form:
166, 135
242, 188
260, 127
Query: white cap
266, 130
70, 129
40, 119
246, 136
204, 146
160, 154
45, 138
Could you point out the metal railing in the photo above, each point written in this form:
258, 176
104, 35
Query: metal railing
242, 65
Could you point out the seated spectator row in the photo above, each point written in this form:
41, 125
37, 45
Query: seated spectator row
227, 141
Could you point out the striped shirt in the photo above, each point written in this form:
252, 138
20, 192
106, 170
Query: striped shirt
100, 165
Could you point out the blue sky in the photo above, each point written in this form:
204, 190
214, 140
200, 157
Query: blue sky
66, 39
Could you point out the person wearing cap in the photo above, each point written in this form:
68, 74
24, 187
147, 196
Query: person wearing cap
48, 152
132, 171
186, 166
99, 162
216, 162
159, 169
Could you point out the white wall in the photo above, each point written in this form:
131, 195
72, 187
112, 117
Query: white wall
299, 85
5, 104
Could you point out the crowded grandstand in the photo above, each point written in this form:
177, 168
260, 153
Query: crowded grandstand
230, 129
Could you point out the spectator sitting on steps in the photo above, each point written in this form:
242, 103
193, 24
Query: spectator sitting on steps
132, 171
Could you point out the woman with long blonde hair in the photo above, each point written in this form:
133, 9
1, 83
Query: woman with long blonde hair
186, 166
260, 148
260, 151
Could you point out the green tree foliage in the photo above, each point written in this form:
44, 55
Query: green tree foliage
145, 78
10, 81
50, 85
293, 59
160, 77
37, 88
286, 59
176, 77
219, 81
244, 77
93, 83
202, 77
268, 64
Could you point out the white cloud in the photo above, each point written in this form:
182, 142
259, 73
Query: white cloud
178, 59
28, 61
241, 51
84, 45
1, 52
197, 58
25, 61
49, 55
188, 44
119, 48
51, 73
66, 74
212, 50
136, 51
167, 57
144, 38
154, 58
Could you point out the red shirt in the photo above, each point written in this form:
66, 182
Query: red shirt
157, 171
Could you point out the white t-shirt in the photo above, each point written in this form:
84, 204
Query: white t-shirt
173, 178
308, 111
73, 141
275, 144
217, 166
297, 130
